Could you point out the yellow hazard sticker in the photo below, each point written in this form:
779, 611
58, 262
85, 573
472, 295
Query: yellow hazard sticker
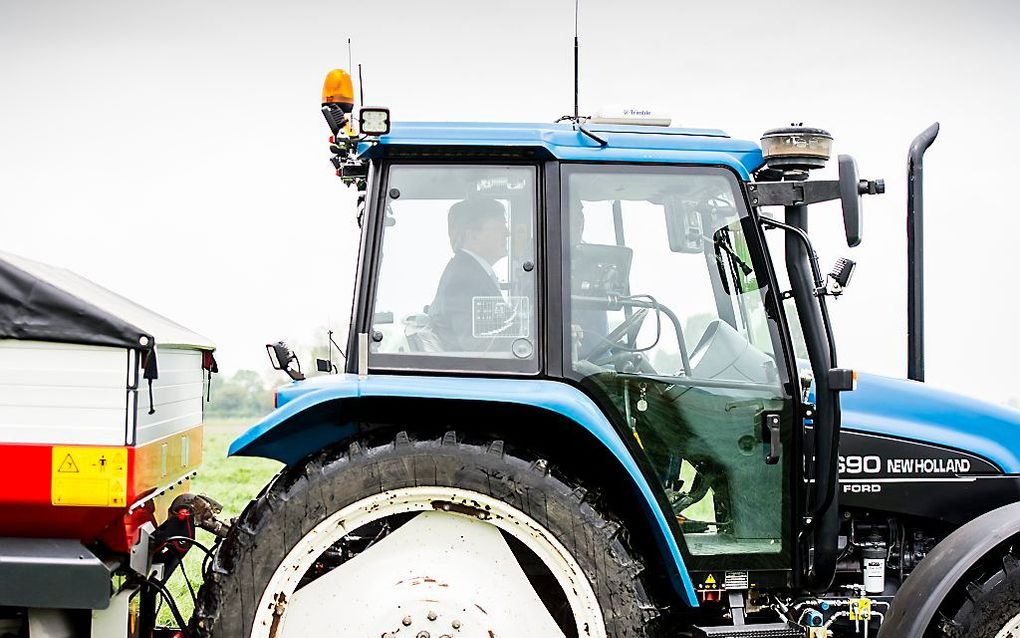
92, 476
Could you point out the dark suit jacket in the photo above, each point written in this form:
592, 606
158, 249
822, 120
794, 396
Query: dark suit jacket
451, 312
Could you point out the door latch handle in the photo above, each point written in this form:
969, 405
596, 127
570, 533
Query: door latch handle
770, 435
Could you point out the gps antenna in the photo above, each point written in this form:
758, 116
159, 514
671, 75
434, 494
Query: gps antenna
577, 116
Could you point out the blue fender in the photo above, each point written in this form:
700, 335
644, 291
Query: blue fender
556, 397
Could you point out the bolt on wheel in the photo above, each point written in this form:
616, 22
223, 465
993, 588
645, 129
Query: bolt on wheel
448, 568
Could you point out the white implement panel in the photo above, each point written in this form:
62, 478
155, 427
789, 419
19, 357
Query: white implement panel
70, 394
62, 393
177, 395
440, 573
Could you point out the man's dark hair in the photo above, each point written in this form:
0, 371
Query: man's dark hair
469, 215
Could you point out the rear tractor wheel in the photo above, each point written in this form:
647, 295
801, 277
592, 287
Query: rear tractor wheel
423, 539
991, 607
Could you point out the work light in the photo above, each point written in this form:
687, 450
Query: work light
375, 121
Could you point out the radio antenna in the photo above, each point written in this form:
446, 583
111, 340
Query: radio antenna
577, 117
350, 61
577, 113
361, 86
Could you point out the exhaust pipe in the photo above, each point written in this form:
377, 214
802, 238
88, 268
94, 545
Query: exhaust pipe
915, 252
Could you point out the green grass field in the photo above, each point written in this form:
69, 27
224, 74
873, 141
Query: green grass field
233, 482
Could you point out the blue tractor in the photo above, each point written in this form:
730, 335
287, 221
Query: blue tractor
592, 390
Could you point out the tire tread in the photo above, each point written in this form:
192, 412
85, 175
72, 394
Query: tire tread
302, 495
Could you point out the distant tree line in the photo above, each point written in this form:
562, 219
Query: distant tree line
244, 394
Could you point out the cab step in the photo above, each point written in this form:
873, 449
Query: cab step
767, 630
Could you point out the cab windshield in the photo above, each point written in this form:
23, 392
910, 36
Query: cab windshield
662, 278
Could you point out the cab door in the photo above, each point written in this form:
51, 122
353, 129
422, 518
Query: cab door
670, 322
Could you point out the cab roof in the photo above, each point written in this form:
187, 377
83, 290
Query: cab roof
564, 141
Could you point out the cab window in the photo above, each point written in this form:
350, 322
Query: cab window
456, 283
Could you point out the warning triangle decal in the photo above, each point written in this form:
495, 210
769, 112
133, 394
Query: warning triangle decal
68, 465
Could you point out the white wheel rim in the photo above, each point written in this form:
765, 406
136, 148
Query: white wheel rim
1011, 629
427, 579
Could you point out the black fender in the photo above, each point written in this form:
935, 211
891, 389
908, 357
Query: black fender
924, 591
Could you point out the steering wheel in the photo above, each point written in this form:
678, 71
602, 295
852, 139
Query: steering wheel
615, 336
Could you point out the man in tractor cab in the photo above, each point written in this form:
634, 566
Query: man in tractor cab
478, 236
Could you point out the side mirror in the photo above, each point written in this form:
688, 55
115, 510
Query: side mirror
850, 196
683, 227
851, 187
283, 358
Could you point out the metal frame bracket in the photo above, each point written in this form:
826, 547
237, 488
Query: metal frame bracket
792, 193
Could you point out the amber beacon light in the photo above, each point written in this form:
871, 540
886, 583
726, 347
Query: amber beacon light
338, 89
338, 102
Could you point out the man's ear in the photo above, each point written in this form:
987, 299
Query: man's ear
457, 240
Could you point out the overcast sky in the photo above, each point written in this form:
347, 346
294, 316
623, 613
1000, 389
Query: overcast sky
174, 151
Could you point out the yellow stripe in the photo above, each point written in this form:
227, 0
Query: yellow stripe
168, 459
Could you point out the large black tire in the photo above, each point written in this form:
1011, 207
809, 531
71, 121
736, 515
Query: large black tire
305, 494
989, 605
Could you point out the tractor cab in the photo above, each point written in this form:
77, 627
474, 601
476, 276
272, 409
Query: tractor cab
660, 313
629, 261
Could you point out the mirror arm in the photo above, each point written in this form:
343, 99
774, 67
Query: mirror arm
816, 270
792, 193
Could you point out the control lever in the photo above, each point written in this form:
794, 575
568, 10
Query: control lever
770, 435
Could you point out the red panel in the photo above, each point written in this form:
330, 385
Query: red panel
26, 509
26, 475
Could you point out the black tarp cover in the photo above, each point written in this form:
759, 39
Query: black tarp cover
36, 310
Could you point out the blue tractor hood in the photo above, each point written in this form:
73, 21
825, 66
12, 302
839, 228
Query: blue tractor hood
912, 410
